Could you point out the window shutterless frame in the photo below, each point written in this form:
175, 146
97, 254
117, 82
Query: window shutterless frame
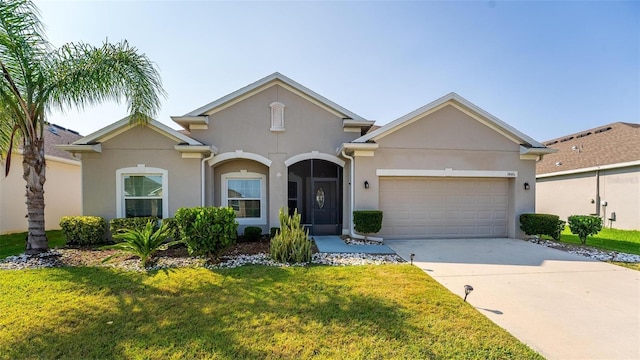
154, 177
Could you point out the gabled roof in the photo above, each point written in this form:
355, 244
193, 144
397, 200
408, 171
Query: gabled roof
271, 80
464, 105
186, 145
608, 145
123, 125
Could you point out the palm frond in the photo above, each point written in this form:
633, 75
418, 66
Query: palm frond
86, 75
23, 53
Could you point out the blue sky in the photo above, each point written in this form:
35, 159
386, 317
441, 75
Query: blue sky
546, 68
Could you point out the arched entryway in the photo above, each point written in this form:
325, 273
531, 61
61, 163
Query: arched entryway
315, 189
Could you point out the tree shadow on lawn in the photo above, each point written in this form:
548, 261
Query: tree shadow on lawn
251, 312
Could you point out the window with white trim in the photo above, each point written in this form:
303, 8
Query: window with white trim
141, 191
245, 192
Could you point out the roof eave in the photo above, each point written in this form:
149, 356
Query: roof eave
81, 148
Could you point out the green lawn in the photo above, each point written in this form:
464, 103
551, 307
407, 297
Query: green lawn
627, 241
14, 244
363, 312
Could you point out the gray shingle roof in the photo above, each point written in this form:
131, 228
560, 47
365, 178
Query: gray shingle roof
57, 135
605, 145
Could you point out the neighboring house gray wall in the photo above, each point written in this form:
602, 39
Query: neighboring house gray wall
137, 146
575, 194
447, 139
590, 168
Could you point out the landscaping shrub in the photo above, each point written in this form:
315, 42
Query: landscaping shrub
367, 221
273, 231
542, 224
142, 243
207, 230
584, 225
291, 243
252, 233
83, 230
137, 223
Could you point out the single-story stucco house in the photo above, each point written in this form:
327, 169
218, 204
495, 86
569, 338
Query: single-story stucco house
448, 169
597, 172
62, 190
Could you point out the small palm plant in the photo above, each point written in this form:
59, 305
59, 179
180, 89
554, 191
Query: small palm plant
142, 243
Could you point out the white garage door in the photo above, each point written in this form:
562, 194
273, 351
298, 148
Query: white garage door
443, 207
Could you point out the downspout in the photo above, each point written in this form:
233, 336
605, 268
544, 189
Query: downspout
598, 193
352, 196
202, 187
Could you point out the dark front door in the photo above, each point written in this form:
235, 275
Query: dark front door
325, 211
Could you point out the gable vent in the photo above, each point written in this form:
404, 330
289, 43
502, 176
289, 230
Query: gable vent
603, 130
566, 139
584, 134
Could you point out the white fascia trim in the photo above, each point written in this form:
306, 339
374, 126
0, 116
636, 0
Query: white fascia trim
203, 149
262, 220
292, 85
314, 155
141, 169
62, 160
491, 121
239, 154
81, 148
358, 146
55, 158
447, 173
589, 169
187, 121
537, 151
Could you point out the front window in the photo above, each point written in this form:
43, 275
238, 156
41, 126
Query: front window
141, 191
243, 195
245, 192
143, 195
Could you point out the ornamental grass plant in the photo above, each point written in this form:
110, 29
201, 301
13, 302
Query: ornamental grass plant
291, 243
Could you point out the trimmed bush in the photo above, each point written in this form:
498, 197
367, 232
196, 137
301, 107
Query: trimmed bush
559, 230
584, 225
207, 230
83, 230
367, 221
291, 243
252, 233
133, 223
542, 224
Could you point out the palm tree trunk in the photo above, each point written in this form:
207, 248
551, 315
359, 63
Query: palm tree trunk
34, 167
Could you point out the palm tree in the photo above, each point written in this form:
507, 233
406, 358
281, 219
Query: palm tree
37, 78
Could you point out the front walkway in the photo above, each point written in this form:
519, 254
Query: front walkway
563, 305
333, 244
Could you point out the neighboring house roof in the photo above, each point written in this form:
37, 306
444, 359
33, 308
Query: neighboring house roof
273, 79
612, 145
57, 135
530, 145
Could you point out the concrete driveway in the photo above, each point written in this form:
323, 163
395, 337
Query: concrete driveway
562, 305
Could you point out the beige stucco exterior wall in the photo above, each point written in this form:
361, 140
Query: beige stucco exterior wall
448, 139
138, 145
246, 126
573, 194
62, 194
